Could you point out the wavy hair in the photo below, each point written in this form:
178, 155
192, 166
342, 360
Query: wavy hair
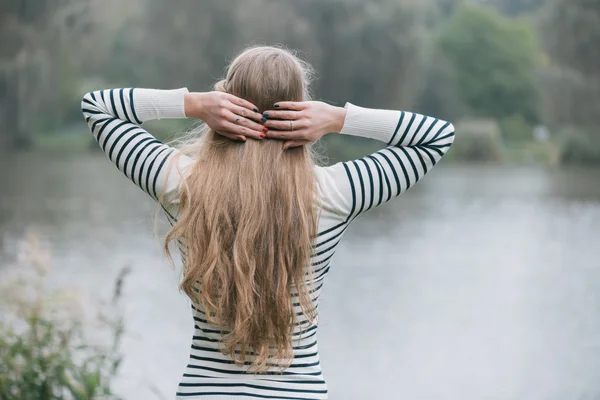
248, 218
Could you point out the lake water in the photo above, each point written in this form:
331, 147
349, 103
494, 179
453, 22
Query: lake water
479, 283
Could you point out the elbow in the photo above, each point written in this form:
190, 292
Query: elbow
88, 99
447, 138
451, 133
87, 105
451, 127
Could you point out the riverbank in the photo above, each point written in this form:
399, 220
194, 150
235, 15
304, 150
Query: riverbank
568, 148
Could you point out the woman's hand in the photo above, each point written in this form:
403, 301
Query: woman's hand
225, 114
300, 123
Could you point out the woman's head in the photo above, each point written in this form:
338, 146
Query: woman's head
247, 218
266, 75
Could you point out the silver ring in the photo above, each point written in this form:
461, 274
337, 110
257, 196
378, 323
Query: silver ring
237, 120
291, 126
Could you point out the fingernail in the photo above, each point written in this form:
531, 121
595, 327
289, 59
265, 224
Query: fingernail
276, 106
262, 135
263, 119
255, 109
265, 114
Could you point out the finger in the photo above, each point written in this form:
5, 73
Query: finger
243, 121
238, 138
294, 143
286, 135
285, 125
242, 103
244, 112
232, 128
289, 115
291, 105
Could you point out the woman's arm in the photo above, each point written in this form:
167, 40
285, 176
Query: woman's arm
415, 145
114, 117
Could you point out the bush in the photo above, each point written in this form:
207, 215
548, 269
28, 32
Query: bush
335, 148
477, 140
580, 149
44, 350
533, 152
516, 129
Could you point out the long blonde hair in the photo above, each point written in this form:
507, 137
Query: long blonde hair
248, 220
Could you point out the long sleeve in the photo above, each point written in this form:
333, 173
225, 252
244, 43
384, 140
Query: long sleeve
114, 117
415, 145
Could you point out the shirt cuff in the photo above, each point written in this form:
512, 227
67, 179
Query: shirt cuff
370, 123
151, 104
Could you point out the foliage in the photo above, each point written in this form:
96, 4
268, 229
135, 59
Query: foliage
477, 148
494, 62
45, 350
569, 97
580, 148
516, 7
515, 128
478, 141
440, 92
573, 34
333, 148
363, 51
532, 152
38, 69
448, 58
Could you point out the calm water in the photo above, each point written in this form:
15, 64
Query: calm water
480, 283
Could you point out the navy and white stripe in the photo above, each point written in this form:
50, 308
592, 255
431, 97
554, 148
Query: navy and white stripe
415, 144
114, 117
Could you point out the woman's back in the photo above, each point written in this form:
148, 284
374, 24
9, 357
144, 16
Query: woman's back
342, 192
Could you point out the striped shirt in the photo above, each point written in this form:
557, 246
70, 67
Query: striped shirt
415, 144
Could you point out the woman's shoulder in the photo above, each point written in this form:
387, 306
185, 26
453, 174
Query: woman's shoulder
333, 185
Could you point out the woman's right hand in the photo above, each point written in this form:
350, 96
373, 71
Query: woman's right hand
303, 122
225, 114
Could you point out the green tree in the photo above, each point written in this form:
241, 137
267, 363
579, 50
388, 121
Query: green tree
494, 61
363, 52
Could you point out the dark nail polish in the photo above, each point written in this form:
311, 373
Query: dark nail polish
266, 114
263, 119
276, 106
255, 109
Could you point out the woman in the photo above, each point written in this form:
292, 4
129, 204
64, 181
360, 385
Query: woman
256, 221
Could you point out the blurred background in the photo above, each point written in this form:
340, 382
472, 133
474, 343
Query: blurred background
483, 282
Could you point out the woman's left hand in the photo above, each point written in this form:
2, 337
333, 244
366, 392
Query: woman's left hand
303, 122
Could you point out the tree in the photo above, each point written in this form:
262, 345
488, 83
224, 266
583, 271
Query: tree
35, 63
494, 61
573, 35
516, 7
362, 51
